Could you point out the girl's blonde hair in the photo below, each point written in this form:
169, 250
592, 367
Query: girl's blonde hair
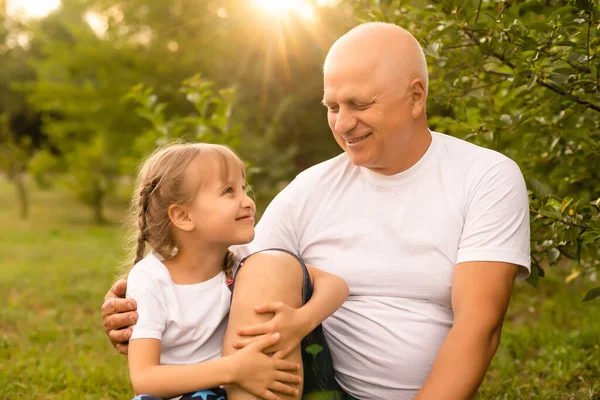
161, 182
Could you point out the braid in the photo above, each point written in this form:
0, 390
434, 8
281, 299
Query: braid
143, 205
228, 264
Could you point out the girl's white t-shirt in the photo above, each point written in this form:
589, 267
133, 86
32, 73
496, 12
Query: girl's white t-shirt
189, 320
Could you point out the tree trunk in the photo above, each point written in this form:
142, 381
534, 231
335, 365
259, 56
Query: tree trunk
23, 195
98, 207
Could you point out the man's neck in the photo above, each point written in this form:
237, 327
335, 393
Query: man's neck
415, 150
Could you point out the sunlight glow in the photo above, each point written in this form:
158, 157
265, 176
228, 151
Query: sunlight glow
98, 23
31, 8
282, 7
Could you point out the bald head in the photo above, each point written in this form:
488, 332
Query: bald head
381, 46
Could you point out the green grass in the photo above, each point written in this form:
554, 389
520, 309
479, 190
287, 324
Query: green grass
56, 267
54, 271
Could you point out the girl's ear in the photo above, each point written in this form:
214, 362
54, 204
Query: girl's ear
180, 218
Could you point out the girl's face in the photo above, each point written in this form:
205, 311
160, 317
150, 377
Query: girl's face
222, 212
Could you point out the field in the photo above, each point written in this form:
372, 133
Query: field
56, 267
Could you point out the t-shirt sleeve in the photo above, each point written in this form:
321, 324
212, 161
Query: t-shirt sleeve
497, 219
276, 228
151, 308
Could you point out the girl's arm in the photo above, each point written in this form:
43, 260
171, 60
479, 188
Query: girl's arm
250, 368
329, 293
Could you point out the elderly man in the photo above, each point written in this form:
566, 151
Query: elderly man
428, 231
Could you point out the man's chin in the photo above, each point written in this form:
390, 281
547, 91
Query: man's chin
358, 160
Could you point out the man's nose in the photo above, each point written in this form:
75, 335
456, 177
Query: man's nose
344, 122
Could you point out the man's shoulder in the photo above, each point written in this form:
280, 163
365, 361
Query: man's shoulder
469, 159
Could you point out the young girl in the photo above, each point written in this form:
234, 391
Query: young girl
191, 206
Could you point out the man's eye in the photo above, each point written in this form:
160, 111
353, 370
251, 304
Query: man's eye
332, 108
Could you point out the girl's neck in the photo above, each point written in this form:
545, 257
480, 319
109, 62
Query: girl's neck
195, 264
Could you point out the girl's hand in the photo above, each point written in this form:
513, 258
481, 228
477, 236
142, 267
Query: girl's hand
260, 374
287, 321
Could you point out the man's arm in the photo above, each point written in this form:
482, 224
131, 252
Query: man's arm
480, 295
119, 314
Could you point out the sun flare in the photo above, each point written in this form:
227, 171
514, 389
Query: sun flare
282, 7
31, 8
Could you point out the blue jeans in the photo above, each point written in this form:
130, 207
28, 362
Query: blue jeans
211, 394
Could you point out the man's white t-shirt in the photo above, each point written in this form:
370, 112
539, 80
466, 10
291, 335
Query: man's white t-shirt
396, 240
189, 320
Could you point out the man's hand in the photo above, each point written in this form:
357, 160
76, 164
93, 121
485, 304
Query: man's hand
287, 321
118, 314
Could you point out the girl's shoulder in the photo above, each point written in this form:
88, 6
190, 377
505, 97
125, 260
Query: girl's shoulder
149, 272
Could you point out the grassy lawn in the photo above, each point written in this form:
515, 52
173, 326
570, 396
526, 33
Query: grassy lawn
56, 267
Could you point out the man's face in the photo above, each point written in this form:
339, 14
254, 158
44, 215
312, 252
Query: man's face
369, 113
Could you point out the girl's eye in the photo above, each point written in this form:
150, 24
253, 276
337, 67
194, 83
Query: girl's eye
228, 190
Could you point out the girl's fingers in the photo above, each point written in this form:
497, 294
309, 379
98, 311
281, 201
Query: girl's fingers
285, 365
240, 344
274, 307
268, 395
267, 341
287, 377
254, 330
285, 389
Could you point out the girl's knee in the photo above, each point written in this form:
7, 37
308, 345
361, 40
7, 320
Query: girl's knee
274, 266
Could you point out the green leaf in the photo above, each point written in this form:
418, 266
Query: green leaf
565, 203
553, 255
568, 43
541, 272
550, 212
592, 294
433, 50
590, 237
585, 5
533, 278
594, 225
540, 190
314, 349
541, 26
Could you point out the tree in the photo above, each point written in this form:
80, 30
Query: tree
14, 156
19, 125
84, 73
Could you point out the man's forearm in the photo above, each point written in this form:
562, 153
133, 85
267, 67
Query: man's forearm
461, 364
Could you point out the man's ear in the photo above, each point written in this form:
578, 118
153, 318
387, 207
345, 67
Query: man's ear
418, 97
180, 218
